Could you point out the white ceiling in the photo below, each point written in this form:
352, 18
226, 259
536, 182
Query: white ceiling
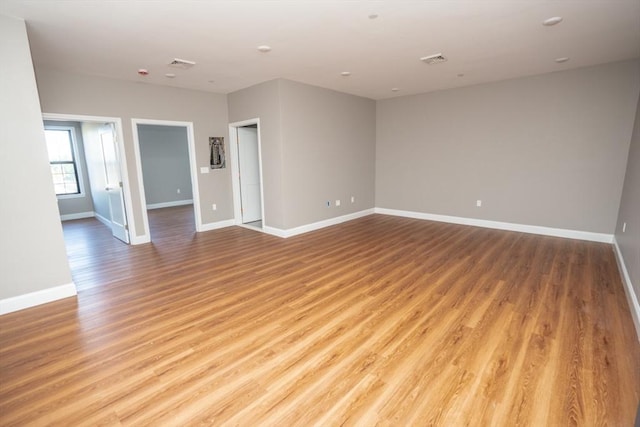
314, 41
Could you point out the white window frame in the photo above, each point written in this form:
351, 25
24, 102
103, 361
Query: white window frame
76, 157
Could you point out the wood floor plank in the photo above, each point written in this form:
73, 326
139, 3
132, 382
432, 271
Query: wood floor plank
377, 321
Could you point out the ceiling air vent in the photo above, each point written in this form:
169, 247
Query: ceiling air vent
181, 63
434, 59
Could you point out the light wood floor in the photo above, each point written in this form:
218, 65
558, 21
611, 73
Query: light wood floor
380, 320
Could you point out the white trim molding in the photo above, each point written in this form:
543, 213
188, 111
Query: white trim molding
274, 231
193, 168
79, 215
632, 298
523, 228
139, 240
235, 169
122, 158
316, 225
169, 204
20, 302
216, 225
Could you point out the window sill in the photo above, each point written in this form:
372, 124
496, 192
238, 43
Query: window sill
69, 196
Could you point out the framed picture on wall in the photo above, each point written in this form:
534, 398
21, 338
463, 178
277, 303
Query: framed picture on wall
216, 148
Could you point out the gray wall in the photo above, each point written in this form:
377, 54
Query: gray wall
328, 152
318, 145
629, 241
548, 150
74, 205
164, 153
96, 169
68, 93
32, 252
263, 101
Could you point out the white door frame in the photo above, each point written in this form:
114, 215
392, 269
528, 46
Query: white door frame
193, 167
122, 157
235, 170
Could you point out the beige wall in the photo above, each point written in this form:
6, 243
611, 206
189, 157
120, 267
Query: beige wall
629, 241
96, 169
318, 145
32, 252
329, 152
164, 152
263, 101
548, 150
68, 93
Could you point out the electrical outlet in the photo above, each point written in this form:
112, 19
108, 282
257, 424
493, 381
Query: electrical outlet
624, 227
204, 169
214, 207
478, 203
178, 191
353, 199
337, 202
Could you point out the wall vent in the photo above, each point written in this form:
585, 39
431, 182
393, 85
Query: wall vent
181, 63
434, 59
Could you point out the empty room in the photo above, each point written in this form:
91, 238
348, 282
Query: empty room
296, 213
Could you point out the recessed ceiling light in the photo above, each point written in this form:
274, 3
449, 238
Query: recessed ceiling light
561, 60
394, 89
345, 73
143, 72
373, 15
170, 75
552, 21
264, 48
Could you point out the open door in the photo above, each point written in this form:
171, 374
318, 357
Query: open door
114, 189
249, 165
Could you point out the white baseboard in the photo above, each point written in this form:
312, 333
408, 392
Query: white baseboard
632, 298
278, 232
134, 240
102, 219
523, 228
146, 238
79, 215
315, 225
216, 225
20, 302
169, 204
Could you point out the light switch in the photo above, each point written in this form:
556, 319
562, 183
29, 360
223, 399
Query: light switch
204, 169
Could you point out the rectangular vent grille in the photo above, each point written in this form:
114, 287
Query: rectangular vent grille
434, 59
181, 63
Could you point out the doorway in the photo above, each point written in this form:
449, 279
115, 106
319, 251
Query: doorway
165, 160
246, 164
86, 155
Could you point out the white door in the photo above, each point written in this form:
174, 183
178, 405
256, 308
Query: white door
249, 162
114, 183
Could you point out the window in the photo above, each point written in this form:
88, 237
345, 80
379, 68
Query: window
62, 160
